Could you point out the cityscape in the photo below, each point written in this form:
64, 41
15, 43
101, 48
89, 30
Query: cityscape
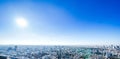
59, 29
59, 52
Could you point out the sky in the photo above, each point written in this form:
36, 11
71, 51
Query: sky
60, 22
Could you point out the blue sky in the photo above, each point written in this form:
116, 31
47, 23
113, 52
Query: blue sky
60, 22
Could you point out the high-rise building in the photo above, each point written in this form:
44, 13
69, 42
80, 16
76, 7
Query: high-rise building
15, 48
3, 57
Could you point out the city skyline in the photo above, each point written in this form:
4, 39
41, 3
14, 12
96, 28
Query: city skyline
59, 22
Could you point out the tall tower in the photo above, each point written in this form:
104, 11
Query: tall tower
15, 48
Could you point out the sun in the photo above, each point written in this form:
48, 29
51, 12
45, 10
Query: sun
22, 22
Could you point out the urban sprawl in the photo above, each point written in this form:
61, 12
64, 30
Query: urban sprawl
59, 52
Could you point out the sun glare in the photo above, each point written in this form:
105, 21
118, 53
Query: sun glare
21, 22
